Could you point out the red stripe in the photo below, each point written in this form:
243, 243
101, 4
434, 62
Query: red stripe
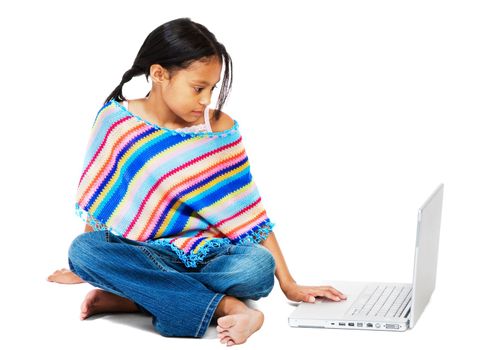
237, 215
175, 187
101, 147
255, 219
172, 172
98, 152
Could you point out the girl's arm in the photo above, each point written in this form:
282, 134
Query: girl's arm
289, 286
281, 270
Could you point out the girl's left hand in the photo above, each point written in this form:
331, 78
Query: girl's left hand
296, 292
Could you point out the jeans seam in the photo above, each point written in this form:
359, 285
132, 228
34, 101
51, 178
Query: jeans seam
152, 258
204, 319
172, 260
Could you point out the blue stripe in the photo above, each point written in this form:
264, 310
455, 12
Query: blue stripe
195, 203
120, 188
111, 172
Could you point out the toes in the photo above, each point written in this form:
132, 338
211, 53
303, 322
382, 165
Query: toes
84, 311
221, 329
223, 334
225, 340
226, 321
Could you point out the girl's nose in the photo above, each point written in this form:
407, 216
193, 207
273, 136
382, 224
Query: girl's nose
205, 101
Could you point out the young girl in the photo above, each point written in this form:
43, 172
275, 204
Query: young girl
176, 224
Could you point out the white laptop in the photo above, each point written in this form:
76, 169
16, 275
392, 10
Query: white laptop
383, 306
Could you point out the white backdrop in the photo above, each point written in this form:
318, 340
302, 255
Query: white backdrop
352, 112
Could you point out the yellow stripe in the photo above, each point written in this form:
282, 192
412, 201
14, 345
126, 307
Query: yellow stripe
199, 190
120, 165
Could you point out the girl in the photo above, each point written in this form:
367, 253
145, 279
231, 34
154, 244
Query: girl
177, 227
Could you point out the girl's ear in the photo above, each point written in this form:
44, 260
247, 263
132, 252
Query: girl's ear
157, 73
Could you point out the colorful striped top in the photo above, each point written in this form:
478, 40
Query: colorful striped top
190, 191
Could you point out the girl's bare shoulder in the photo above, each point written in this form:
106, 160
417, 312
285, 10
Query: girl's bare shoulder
223, 123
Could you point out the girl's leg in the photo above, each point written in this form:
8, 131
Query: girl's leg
244, 271
240, 271
179, 304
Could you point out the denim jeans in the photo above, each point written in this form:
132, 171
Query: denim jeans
181, 300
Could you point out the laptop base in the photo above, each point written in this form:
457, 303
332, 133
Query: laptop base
341, 315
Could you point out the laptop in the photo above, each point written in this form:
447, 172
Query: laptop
383, 306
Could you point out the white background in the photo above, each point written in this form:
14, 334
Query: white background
352, 112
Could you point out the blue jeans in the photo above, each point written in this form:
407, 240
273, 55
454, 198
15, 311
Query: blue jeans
181, 300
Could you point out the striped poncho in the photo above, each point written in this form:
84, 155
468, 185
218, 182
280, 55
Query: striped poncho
187, 191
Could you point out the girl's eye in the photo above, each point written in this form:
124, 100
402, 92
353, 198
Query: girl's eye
197, 89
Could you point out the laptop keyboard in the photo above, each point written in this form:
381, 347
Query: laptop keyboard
382, 301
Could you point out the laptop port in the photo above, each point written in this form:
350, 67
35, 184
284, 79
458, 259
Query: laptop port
369, 325
341, 323
351, 324
360, 324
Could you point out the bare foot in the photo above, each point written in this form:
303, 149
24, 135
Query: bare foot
239, 323
99, 301
64, 276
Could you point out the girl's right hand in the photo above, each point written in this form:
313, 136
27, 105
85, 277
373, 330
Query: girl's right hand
64, 276
308, 294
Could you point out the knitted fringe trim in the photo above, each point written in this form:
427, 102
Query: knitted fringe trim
192, 259
89, 219
255, 236
93, 222
182, 133
258, 233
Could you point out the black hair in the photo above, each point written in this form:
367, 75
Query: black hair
175, 45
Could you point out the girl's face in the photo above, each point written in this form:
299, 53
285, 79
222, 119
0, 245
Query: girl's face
188, 92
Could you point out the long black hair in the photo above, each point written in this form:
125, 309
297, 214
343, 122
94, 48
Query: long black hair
175, 45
